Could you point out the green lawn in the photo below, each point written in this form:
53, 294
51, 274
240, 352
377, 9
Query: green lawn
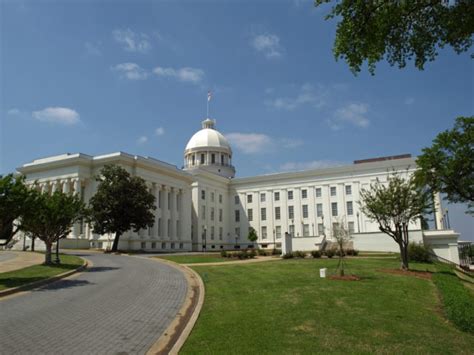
284, 307
198, 258
38, 272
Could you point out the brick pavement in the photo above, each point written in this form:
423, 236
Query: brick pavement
14, 260
120, 306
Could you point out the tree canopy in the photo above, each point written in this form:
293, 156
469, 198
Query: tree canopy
122, 202
448, 165
399, 31
394, 205
252, 236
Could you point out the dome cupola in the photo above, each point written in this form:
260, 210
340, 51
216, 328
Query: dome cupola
209, 150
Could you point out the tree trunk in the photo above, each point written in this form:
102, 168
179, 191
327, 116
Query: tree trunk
116, 241
404, 256
33, 243
47, 256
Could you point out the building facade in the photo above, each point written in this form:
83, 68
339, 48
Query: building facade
204, 207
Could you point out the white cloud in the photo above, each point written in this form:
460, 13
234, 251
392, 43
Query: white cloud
92, 49
159, 131
354, 114
310, 165
14, 112
61, 115
131, 71
132, 41
142, 140
307, 95
252, 143
268, 44
186, 74
409, 101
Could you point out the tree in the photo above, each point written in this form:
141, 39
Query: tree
122, 202
14, 200
448, 165
51, 217
394, 206
399, 30
342, 236
252, 236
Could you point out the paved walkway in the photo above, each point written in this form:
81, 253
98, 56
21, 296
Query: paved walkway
14, 260
120, 306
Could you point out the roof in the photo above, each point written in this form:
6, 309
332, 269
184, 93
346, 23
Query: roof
208, 137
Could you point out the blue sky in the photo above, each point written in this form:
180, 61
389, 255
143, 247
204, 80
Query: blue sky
102, 76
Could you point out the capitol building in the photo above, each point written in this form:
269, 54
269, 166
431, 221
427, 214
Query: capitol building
203, 206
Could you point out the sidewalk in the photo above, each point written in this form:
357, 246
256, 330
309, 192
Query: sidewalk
14, 260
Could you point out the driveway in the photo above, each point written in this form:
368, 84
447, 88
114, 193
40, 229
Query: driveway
120, 306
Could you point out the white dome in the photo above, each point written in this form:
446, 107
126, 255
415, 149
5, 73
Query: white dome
208, 137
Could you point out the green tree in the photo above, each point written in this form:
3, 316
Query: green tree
252, 236
14, 200
122, 202
399, 31
51, 217
448, 165
394, 205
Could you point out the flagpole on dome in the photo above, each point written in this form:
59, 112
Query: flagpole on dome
209, 96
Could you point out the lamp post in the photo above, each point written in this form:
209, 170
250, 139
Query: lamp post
447, 219
324, 227
274, 245
358, 225
312, 227
204, 239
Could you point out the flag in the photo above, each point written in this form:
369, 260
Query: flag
209, 96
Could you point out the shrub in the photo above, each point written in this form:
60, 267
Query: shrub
261, 252
251, 254
299, 254
316, 254
458, 303
276, 251
223, 254
338, 252
329, 253
352, 252
418, 252
288, 256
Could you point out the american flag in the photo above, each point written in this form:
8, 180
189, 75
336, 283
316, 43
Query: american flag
209, 95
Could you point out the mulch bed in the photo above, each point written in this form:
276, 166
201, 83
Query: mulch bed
420, 274
345, 277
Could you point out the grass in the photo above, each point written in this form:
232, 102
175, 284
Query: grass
38, 272
198, 258
284, 307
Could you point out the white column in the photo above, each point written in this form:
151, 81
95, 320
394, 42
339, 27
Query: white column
164, 211
44, 187
54, 186
438, 211
77, 191
65, 187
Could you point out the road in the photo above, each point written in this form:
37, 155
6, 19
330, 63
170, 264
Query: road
121, 305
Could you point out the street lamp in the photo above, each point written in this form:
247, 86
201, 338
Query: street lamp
274, 245
358, 224
312, 227
204, 239
324, 227
447, 218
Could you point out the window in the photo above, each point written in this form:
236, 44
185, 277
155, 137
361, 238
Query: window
220, 233
236, 199
237, 215
305, 230
290, 195
212, 196
222, 160
319, 209
212, 232
153, 245
262, 197
181, 245
350, 227
163, 245
250, 214
202, 158
249, 198
237, 231
304, 193
263, 214
203, 212
143, 245
334, 209
277, 213
278, 231
264, 232
333, 190
348, 190
292, 230
194, 160
318, 192
277, 196
291, 212
320, 229
212, 213
305, 211
203, 194
213, 158
172, 245
220, 214
220, 198
350, 210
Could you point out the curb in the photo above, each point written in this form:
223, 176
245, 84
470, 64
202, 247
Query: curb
36, 284
173, 338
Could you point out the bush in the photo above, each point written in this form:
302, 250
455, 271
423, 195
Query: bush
458, 303
299, 254
338, 252
288, 256
251, 254
316, 254
276, 252
418, 252
352, 252
329, 253
223, 254
261, 252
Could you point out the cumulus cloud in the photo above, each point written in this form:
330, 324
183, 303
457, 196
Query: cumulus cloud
131, 71
132, 41
268, 44
307, 95
354, 114
310, 165
159, 131
186, 74
142, 140
253, 143
60, 115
